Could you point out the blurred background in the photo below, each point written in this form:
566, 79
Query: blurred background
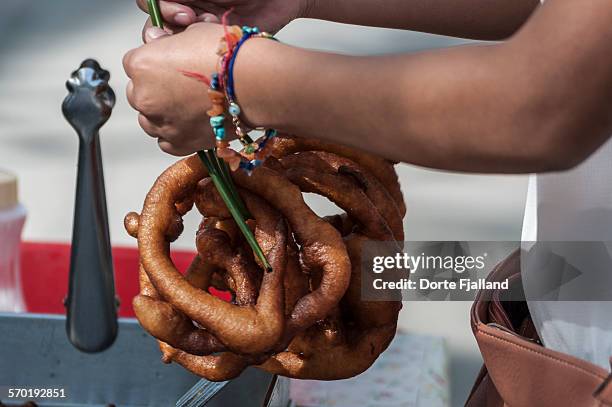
43, 41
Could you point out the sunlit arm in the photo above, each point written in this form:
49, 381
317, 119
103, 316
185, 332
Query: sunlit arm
541, 101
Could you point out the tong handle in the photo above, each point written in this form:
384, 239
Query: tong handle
91, 303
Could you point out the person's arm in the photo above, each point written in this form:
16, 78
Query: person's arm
476, 19
539, 102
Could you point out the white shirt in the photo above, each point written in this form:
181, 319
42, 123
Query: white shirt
575, 205
571, 207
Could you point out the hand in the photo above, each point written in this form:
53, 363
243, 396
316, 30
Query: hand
177, 17
268, 15
172, 106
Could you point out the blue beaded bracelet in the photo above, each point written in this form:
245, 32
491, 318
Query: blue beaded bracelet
251, 149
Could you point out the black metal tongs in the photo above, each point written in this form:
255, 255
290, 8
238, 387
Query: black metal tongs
91, 304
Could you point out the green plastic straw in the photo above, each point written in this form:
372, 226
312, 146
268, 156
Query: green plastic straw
220, 174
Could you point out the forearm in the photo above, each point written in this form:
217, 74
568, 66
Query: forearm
476, 19
539, 102
441, 109
473, 108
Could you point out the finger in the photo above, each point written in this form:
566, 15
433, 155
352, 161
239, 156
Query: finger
168, 28
216, 8
194, 4
148, 24
208, 18
142, 4
127, 63
149, 127
154, 33
134, 93
173, 13
129, 93
144, 106
168, 147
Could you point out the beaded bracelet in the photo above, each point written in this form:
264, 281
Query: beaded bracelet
254, 153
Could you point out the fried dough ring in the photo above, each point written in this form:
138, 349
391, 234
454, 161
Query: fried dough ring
219, 367
330, 333
209, 202
343, 193
215, 368
168, 325
225, 366
163, 321
366, 328
228, 365
214, 247
379, 196
252, 329
321, 244
283, 145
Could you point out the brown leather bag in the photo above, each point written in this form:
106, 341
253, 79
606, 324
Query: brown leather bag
518, 371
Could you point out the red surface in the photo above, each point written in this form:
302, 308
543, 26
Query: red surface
44, 271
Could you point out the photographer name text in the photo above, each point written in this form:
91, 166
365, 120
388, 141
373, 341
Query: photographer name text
464, 284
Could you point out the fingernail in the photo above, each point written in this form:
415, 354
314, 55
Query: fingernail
182, 19
154, 33
208, 18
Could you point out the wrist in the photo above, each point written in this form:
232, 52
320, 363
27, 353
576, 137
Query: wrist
255, 71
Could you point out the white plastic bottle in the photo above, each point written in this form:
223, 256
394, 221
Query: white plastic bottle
12, 219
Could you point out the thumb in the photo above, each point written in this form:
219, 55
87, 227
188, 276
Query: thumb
154, 33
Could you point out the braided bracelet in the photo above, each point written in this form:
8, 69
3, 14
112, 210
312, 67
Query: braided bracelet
254, 153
